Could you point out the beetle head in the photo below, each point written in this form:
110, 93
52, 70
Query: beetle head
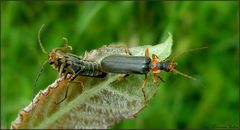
57, 56
172, 66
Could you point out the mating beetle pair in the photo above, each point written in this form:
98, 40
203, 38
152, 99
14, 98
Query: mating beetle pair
67, 63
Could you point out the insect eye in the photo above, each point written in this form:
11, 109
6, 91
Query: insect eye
51, 62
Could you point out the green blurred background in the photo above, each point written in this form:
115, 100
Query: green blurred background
211, 102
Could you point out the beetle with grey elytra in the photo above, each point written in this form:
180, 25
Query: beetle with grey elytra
142, 65
122, 64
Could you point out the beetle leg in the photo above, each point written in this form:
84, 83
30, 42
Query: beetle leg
142, 88
69, 69
127, 51
65, 74
75, 74
79, 82
66, 93
155, 57
161, 78
68, 84
155, 78
70, 81
121, 76
60, 70
147, 52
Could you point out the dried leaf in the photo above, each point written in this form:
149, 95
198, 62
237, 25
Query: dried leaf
92, 102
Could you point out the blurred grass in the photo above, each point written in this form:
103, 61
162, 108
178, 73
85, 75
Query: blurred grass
180, 102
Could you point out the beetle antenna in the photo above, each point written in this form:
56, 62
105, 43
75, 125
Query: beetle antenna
185, 52
39, 40
184, 75
66, 40
38, 75
66, 46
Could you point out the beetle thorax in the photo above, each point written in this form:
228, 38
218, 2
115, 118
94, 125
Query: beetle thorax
154, 67
163, 65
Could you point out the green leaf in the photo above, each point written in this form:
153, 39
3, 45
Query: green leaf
93, 102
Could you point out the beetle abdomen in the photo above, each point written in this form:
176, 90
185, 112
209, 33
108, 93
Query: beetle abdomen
83, 68
92, 69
